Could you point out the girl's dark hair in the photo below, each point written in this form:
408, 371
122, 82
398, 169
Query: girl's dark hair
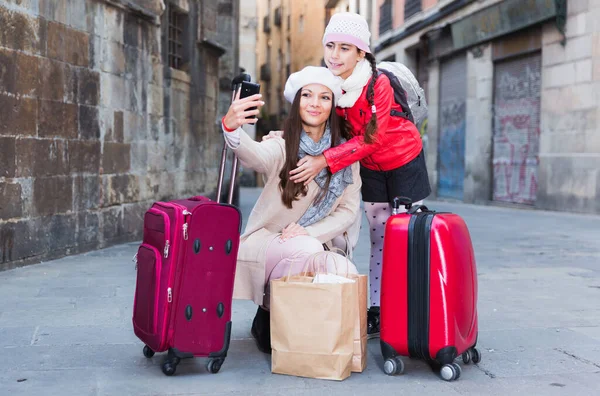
292, 128
371, 129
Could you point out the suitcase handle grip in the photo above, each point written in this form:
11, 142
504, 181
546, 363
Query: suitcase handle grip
415, 209
198, 198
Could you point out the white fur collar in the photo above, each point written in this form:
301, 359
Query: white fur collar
354, 84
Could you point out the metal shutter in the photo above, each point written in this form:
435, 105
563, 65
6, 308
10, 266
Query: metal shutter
451, 147
411, 7
516, 137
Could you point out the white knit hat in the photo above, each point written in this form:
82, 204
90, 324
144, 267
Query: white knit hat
312, 75
348, 27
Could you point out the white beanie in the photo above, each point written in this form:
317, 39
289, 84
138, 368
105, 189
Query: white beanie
349, 28
312, 75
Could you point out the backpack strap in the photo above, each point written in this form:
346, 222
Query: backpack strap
400, 96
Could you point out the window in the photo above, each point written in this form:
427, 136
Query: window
411, 7
277, 17
177, 26
266, 24
385, 17
301, 24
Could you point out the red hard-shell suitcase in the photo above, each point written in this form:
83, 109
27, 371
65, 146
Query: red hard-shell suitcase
185, 275
428, 291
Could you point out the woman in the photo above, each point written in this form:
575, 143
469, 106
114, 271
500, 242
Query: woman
387, 145
290, 222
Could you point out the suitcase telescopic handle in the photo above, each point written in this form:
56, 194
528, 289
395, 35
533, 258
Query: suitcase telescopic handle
405, 201
234, 86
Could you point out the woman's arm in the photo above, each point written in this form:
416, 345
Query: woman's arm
343, 216
262, 157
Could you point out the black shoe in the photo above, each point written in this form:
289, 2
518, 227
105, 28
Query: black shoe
261, 330
373, 322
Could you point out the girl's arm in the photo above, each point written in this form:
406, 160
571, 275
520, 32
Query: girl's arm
343, 216
356, 149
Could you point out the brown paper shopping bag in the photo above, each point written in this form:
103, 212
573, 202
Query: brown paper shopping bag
359, 357
312, 327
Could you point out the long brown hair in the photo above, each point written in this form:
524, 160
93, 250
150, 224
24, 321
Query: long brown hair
292, 129
371, 128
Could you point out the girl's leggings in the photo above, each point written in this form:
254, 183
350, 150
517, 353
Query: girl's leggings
377, 215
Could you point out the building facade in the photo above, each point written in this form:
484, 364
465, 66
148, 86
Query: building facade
113, 105
513, 114
248, 64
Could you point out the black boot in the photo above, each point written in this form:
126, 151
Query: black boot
261, 330
373, 322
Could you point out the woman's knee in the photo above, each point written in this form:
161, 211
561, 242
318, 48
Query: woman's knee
304, 245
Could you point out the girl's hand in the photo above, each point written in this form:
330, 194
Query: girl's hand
273, 134
292, 230
308, 168
238, 111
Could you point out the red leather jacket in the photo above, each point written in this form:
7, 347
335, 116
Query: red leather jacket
397, 139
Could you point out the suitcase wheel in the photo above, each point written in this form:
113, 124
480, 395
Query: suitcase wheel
450, 372
466, 357
471, 355
393, 366
475, 355
169, 367
214, 365
148, 352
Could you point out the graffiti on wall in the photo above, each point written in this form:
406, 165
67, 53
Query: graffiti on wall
516, 130
451, 149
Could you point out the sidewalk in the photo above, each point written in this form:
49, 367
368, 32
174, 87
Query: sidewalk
65, 325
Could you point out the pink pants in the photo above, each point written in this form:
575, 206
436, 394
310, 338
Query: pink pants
291, 256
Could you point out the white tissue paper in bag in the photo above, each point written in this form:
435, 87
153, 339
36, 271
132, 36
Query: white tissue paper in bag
331, 278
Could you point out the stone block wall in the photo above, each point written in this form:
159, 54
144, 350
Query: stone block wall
569, 169
95, 126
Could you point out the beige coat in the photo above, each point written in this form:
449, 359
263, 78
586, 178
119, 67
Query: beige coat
269, 215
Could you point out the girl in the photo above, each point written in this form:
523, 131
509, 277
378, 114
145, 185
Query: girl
290, 222
387, 145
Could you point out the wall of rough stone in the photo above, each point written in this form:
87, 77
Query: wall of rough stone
94, 127
569, 168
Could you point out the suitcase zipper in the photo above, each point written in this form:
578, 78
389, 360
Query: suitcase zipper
174, 244
166, 251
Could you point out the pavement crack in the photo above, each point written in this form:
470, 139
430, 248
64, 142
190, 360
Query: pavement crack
580, 359
487, 372
34, 337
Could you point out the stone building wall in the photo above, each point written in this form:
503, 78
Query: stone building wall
94, 124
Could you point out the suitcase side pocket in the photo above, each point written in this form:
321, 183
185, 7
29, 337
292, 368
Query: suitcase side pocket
145, 311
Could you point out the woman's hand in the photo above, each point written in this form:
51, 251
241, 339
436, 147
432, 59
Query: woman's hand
292, 230
308, 168
272, 135
238, 111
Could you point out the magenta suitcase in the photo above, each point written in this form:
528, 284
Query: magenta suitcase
185, 274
